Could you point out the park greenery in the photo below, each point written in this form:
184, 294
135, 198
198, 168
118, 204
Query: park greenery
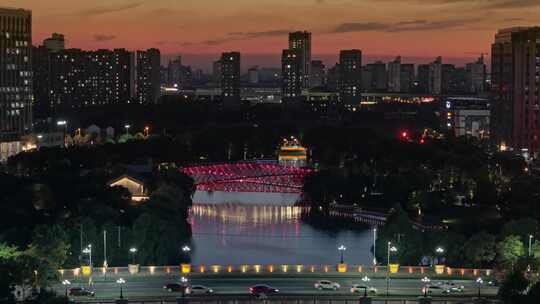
56, 202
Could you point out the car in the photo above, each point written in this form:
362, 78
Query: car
326, 285
451, 286
81, 291
435, 289
176, 287
262, 289
363, 288
199, 289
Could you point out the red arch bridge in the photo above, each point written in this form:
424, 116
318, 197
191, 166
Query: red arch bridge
248, 177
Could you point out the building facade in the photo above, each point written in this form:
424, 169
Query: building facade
350, 85
16, 88
230, 78
291, 74
301, 41
148, 76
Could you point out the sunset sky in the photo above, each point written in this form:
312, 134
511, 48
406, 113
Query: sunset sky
200, 29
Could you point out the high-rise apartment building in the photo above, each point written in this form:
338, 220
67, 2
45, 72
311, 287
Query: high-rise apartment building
350, 84
55, 43
317, 77
394, 75
291, 74
407, 75
435, 77
16, 93
148, 76
230, 78
476, 76
379, 76
301, 41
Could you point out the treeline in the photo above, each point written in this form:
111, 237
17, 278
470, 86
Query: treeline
56, 202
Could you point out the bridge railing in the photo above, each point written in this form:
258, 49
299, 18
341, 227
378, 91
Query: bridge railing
281, 269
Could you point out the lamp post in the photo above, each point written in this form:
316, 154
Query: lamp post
439, 251
66, 284
390, 248
530, 244
127, 126
374, 246
146, 131
365, 279
479, 281
426, 281
341, 250
88, 250
186, 249
63, 124
121, 282
133, 251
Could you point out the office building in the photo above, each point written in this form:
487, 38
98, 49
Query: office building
332, 78
291, 73
16, 93
230, 78
423, 78
301, 41
350, 85
147, 76
394, 75
317, 77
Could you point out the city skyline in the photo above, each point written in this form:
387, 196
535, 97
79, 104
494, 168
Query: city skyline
457, 30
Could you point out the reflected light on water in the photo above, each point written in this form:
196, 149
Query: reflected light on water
248, 214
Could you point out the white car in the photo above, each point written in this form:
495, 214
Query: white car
363, 288
435, 289
327, 285
199, 290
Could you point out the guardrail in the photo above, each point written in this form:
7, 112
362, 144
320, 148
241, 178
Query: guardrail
296, 300
438, 270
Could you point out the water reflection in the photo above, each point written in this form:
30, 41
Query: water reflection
264, 234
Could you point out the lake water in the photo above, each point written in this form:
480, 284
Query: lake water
258, 229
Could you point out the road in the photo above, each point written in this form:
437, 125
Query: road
229, 286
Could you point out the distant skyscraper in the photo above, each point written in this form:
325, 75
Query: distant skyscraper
317, 77
291, 63
516, 86
394, 75
54, 43
302, 41
81, 79
253, 75
148, 76
16, 92
435, 77
179, 75
423, 78
407, 77
216, 71
332, 78
476, 76
230, 78
379, 76
350, 63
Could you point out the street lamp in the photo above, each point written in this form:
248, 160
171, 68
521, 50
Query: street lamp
365, 279
374, 246
426, 281
121, 282
390, 248
88, 250
186, 249
127, 126
439, 251
530, 244
66, 284
133, 251
479, 281
341, 249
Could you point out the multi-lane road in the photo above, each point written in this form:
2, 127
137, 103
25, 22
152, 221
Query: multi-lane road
147, 287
